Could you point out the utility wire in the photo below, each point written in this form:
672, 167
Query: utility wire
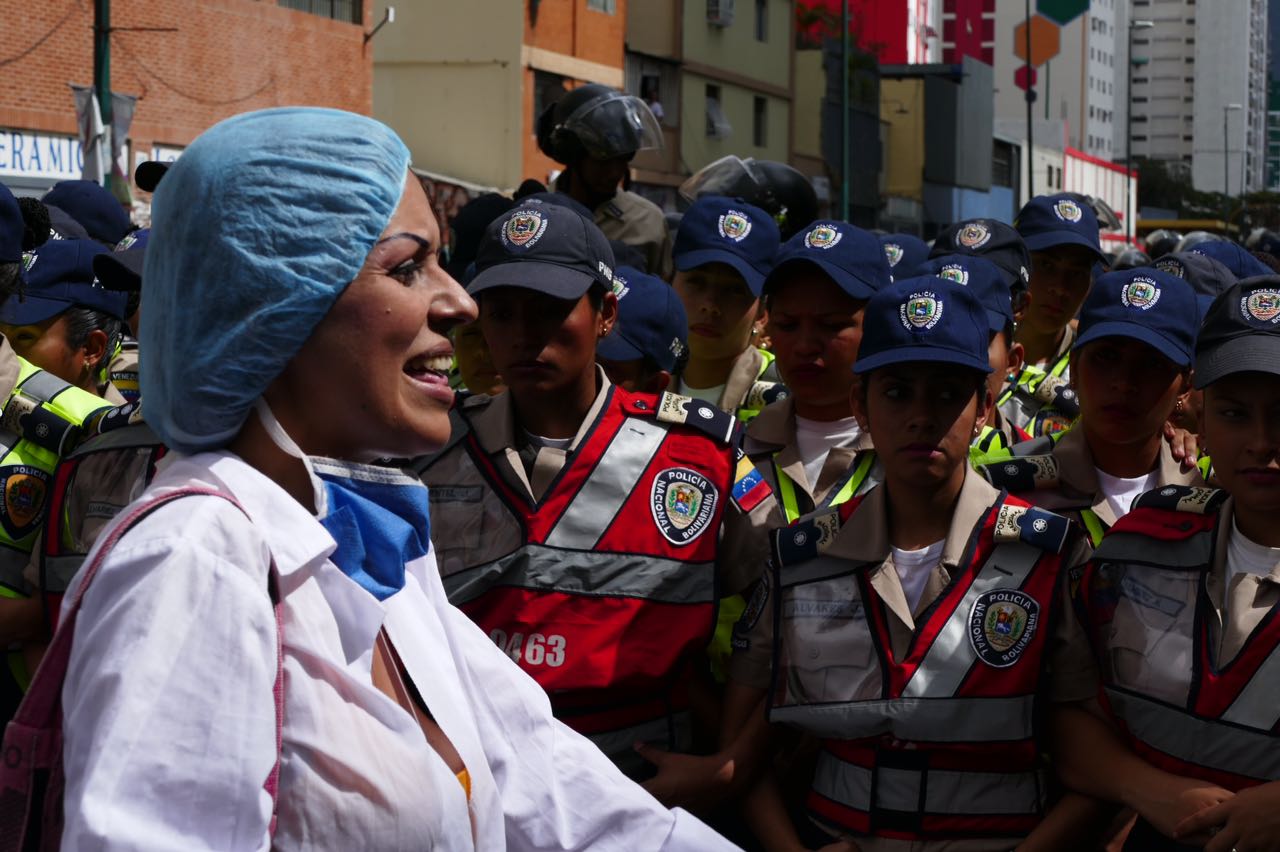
75, 6
270, 81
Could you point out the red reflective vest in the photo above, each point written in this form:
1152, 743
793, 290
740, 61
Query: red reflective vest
614, 590
942, 743
1146, 609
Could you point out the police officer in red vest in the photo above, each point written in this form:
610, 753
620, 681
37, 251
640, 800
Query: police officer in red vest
1175, 713
591, 532
907, 629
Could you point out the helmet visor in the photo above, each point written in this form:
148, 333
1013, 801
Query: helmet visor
615, 127
730, 176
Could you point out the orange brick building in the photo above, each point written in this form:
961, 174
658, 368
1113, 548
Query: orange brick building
222, 57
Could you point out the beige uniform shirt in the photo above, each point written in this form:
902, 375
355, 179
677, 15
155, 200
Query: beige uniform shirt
1077, 480
1235, 614
743, 376
865, 538
632, 219
470, 525
771, 439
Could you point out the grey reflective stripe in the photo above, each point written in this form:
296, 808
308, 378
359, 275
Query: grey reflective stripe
128, 437
1194, 552
549, 569
612, 481
951, 655
944, 791
926, 720
618, 745
60, 570
12, 564
43, 387
1202, 742
8, 441
1258, 704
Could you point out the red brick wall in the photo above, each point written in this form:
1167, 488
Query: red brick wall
227, 57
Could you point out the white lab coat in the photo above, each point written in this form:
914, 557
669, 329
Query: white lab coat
170, 723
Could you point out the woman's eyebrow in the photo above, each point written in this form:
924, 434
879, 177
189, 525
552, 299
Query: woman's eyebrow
422, 241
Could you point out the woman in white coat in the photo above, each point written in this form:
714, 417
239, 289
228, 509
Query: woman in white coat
295, 332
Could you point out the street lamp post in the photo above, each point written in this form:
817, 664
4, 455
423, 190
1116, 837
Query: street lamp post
1226, 163
1128, 133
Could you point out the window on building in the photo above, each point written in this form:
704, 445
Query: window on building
606, 6
547, 89
348, 11
718, 126
762, 20
760, 122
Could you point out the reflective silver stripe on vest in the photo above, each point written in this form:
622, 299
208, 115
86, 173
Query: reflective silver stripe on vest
1194, 552
944, 791
1258, 704
1202, 742
43, 387
927, 720
612, 481
618, 745
951, 655
12, 564
586, 573
60, 570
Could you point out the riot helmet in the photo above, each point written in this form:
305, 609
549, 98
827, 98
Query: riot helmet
780, 190
598, 122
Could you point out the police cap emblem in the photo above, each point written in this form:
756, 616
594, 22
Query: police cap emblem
1171, 266
974, 235
822, 237
1002, 624
524, 228
1262, 305
1140, 293
955, 272
1068, 211
734, 226
892, 253
921, 311
683, 503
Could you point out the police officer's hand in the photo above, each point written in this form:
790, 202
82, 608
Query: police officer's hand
1247, 822
696, 783
1171, 800
1184, 445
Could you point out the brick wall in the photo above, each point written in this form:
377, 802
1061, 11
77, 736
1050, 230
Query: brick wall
227, 57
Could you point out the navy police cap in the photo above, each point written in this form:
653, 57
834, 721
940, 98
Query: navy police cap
1064, 219
926, 319
905, 253
1145, 304
851, 257
984, 278
550, 248
1233, 256
651, 321
93, 206
1241, 333
59, 276
992, 239
716, 229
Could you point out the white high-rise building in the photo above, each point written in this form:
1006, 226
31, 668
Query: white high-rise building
1081, 86
1199, 67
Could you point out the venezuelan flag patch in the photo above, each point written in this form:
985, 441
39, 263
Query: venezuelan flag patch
749, 487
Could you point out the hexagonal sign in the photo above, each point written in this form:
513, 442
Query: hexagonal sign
1021, 76
1062, 11
1045, 40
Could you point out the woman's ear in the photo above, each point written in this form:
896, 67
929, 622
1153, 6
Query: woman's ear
986, 404
858, 402
608, 314
95, 349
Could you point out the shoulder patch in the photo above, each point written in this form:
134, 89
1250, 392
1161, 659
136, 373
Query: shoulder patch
1056, 391
703, 416
1019, 475
1041, 446
22, 415
765, 393
1029, 525
808, 538
1183, 498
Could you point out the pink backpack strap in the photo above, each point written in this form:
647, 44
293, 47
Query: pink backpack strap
31, 779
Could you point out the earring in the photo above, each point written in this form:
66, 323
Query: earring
1178, 408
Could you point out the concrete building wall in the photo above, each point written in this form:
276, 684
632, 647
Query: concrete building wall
451, 88
736, 49
1230, 62
223, 57
902, 111
738, 105
653, 27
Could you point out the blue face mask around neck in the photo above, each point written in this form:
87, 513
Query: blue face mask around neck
378, 516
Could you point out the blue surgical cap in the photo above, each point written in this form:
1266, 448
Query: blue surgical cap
256, 230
